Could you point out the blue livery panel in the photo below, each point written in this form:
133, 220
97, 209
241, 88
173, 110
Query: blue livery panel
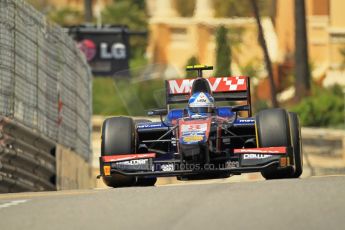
147, 126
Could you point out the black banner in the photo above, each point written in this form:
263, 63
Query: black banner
106, 48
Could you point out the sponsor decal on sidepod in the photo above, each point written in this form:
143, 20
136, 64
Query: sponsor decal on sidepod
133, 162
150, 125
167, 167
255, 156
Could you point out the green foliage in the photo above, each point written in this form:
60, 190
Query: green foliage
125, 12
191, 61
342, 53
185, 8
66, 16
259, 105
236, 8
152, 94
132, 14
324, 108
125, 97
236, 36
250, 69
137, 62
139, 3
105, 100
223, 53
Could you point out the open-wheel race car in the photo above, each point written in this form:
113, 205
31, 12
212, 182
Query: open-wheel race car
201, 140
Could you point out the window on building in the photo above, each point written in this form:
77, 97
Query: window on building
320, 7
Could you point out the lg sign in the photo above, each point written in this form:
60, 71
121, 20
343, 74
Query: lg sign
88, 47
116, 51
106, 49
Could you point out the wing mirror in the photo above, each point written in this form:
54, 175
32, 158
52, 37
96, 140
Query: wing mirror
158, 112
240, 108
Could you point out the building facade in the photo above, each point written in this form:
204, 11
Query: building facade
326, 37
174, 39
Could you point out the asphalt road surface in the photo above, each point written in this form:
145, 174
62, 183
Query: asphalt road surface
312, 203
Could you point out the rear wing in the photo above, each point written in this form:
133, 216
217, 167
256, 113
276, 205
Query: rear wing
223, 89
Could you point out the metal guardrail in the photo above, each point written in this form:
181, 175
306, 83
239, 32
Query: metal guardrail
324, 150
324, 142
27, 161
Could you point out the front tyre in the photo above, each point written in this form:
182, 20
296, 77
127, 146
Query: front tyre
296, 145
273, 130
118, 138
143, 181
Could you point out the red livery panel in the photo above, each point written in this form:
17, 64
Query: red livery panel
268, 150
221, 84
127, 157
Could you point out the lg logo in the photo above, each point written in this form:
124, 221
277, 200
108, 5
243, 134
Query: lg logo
116, 51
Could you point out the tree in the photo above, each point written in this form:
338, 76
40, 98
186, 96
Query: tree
132, 14
185, 8
223, 53
88, 10
268, 63
125, 12
66, 16
324, 108
236, 8
342, 53
302, 83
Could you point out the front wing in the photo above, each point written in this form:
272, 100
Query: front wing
147, 164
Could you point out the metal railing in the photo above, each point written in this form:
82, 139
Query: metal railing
27, 160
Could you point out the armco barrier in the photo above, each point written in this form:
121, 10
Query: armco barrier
45, 100
324, 151
325, 142
27, 159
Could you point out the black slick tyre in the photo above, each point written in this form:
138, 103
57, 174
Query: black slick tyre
273, 130
296, 145
118, 138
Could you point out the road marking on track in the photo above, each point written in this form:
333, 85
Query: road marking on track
12, 203
45, 194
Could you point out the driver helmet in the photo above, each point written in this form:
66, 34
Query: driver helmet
200, 103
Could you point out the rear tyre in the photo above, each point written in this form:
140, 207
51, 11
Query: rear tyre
296, 145
118, 138
273, 130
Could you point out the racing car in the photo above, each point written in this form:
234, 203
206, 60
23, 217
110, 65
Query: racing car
196, 138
